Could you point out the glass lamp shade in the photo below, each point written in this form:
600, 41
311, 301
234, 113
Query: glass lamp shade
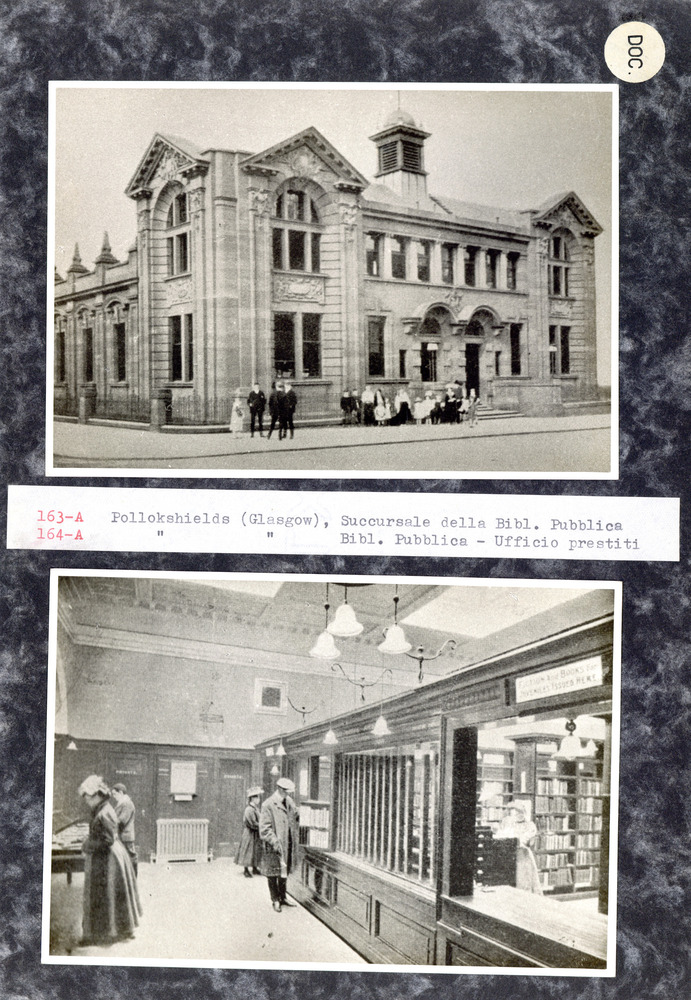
569, 748
330, 739
590, 749
381, 727
345, 622
280, 750
394, 641
325, 648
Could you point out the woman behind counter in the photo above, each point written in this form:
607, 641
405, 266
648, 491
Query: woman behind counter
111, 901
250, 850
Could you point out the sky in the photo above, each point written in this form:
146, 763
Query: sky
509, 148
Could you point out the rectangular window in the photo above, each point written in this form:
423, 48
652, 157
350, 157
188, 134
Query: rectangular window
424, 251
269, 697
189, 349
512, 271
311, 345
60, 360
88, 354
181, 247
556, 280
386, 810
175, 329
565, 276
296, 250
556, 247
375, 346
373, 254
284, 344
181, 209
170, 252
469, 255
402, 364
447, 255
491, 258
497, 363
398, 251
315, 251
277, 248
565, 335
553, 350
515, 337
120, 344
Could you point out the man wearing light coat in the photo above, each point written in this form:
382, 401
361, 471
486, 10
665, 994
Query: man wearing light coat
278, 830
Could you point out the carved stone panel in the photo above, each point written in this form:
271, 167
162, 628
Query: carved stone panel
561, 310
179, 290
298, 287
169, 165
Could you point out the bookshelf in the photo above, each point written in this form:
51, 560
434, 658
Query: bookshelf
567, 811
315, 824
494, 785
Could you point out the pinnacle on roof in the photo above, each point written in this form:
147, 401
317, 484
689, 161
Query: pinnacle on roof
76, 267
106, 255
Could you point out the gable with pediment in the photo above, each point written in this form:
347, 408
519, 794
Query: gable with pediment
569, 213
162, 162
308, 156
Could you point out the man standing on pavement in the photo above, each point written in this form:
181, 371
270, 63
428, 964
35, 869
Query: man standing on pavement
256, 402
291, 406
278, 830
124, 810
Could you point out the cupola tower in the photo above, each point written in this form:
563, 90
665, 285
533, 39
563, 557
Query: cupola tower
401, 156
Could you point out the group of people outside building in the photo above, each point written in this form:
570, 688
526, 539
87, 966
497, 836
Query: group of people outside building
111, 906
270, 839
371, 407
282, 404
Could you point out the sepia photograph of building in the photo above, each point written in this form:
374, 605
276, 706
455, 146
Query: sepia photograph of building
384, 293
449, 750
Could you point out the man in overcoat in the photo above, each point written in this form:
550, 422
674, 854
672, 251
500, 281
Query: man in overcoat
256, 402
278, 829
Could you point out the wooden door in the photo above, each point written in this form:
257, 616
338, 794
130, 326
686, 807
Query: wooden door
233, 782
134, 772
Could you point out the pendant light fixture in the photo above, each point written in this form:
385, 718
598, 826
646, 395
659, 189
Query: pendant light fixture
394, 637
345, 623
325, 648
570, 746
381, 726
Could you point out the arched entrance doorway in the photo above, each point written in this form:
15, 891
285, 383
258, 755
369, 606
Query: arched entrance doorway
435, 333
476, 341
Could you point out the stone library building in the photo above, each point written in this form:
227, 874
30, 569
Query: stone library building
290, 264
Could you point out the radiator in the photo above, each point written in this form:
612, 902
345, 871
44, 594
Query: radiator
182, 840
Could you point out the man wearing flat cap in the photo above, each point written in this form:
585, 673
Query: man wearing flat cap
124, 810
278, 829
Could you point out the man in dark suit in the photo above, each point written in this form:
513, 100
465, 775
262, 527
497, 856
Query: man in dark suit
291, 402
278, 830
256, 402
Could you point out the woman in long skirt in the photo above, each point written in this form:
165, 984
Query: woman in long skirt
111, 900
250, 850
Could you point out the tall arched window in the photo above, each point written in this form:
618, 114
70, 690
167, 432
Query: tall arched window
178, 236
559, 263
296, 232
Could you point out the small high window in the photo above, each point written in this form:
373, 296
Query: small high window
448, 252
178, 212
559, 267
398, 254
512, 270
469, 260
424, 252
373, 247
491, 267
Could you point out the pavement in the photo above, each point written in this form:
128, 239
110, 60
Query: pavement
200, 912
91, 446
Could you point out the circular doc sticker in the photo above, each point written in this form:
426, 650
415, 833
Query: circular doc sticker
634, 51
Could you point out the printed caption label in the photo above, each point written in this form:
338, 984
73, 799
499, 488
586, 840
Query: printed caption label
306, 522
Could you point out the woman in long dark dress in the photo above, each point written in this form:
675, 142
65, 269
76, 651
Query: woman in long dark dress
250, 850
111, 900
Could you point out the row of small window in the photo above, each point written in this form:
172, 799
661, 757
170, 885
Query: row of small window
451, 260
87, 359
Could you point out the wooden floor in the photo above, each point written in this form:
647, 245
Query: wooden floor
200, 912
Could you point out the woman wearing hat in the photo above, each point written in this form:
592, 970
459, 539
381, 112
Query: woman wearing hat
111, 901
278, 829
250, 850
517, 826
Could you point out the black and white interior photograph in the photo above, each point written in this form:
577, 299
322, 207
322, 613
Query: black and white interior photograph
353, 772
333, 280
